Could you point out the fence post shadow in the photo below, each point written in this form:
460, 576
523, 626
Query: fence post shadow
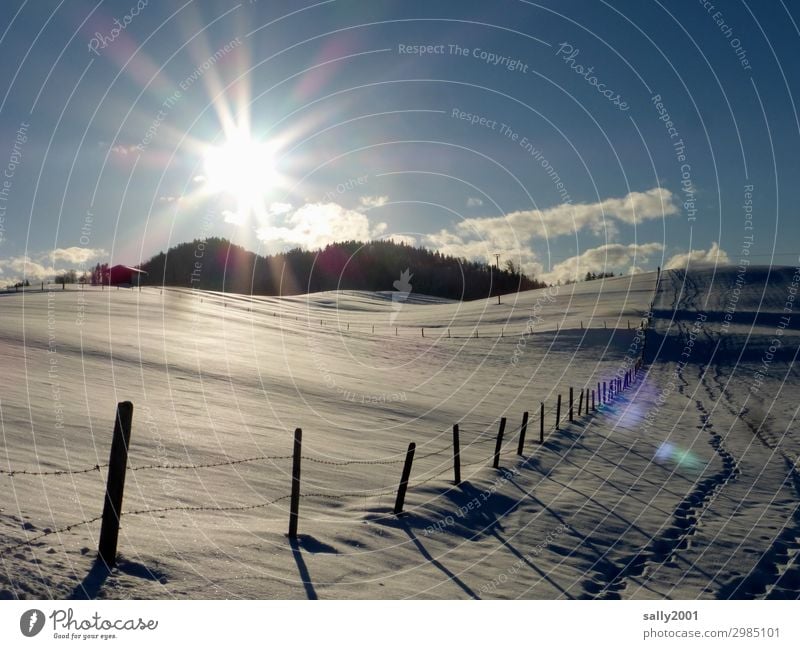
95, 579
429, 558
302, 568
90, 586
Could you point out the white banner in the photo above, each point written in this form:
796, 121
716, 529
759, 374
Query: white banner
391, 624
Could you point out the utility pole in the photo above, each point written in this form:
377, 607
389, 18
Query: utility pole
497, 266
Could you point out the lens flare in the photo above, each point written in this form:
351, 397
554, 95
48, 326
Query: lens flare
682, 457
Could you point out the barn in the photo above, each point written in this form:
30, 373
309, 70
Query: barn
125, 276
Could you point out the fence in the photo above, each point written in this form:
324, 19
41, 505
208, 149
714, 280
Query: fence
436, 333
589, 401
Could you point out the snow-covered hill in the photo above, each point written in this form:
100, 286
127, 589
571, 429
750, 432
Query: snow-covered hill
668, 492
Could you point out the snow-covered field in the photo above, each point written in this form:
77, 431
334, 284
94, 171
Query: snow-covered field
685, 486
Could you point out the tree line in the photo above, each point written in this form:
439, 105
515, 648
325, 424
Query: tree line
219, 265
94, 276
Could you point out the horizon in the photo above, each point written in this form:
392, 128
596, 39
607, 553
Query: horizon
693, 264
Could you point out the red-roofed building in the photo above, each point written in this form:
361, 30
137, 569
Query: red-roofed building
125, 276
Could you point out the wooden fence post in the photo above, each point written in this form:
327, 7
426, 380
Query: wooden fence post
401, 492
593, 407
580, 403
605, 394
541, 422
456, 456
599, 394
558, 412
115, 485
498, 444
571, 405
522, 430
294, 502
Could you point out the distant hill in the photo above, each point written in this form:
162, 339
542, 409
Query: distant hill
217, 264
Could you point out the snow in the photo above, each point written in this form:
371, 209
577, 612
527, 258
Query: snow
668, 492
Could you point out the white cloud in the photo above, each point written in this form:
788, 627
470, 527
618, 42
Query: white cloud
29, 268
199, 179
46, 265
123, 149
74, 254
714, 255
373, 201
474, 202
452, 244
609, 258
17, 269
511, 235
521, 226
280, 208
169, 199
407, 239
315, 225
230, 216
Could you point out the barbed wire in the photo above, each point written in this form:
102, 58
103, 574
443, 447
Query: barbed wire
479, 438
60, 530
487, 435
248, 507
209, 465
14, 472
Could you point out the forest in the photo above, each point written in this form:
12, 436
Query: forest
219, 265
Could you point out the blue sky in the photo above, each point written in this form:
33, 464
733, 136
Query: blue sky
567, 136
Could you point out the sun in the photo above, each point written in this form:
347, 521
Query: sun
243, 168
